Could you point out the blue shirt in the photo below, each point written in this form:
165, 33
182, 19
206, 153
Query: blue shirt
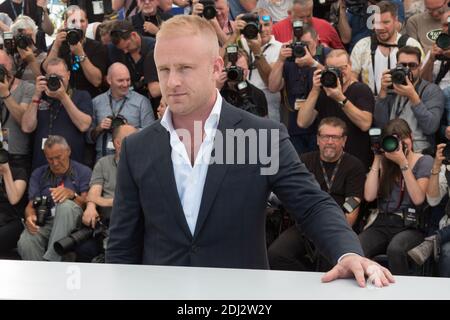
42, 179
53, 119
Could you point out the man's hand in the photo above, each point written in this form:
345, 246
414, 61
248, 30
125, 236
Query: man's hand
306, 61
26, 54
105, 124
60, 194
42, 3
335, 93
397, 156
30, 223
386, 80
285, 52
41, 86
408, 91
150, 27
4, 168
197, 8
220, 81
359, 267
90, 216
255, 45
59, 39
316, 80
59, 94
77, 49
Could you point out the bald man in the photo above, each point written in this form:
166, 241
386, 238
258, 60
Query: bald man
117, 106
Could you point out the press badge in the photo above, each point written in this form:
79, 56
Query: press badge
97, 6
110, 145
53, 211
4, 138
43, 142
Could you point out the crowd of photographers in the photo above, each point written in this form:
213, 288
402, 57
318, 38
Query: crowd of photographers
362, 86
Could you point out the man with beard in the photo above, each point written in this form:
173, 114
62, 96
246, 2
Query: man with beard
338, 173
419, 102
372, 55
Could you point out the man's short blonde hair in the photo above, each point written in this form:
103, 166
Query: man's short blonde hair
337, 53
188, 26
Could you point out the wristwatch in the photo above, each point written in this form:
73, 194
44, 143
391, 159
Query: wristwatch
258, 56
405, 167
82, 58
343, 102
75, 195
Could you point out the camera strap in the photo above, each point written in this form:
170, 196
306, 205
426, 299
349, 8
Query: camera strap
399, 109
252, 60
329, 182
443, 69
14, 9
105, 134
53, 114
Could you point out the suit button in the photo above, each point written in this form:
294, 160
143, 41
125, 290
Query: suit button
194, 249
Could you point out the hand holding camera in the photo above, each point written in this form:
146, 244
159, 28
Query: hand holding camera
317, 85
26, 54
306, 61
55, 88
442, 155
60, 194
150, 27
285, 52
30, 224
90, 216
105, 124
398, 155
406, 90
59, 39
41, 86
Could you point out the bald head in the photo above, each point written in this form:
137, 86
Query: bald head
118, 79
119, 134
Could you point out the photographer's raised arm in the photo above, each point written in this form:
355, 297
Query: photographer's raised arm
53, 53
14, 189
29, 118
372, 180
344, 29
80, 119
95, 196
16, 109
307, 112
91, 72
264, 68
28, 56
436, 190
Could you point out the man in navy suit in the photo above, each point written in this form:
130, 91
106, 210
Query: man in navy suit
188, 195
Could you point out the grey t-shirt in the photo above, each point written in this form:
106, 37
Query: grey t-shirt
104, 174
421, 169
18, 141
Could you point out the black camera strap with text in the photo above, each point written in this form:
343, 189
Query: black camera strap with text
105, 134
329, 182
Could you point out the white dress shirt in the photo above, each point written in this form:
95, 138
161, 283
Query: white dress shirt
190, 179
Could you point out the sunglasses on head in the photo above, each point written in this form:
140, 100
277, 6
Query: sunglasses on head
266, 18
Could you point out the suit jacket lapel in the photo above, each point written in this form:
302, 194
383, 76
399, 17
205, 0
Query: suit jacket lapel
216, 172
166, 177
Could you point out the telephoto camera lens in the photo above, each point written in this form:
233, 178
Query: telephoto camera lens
23, 41
390, 143
53, 82
329, 77
399, 74
443, 41
74, 36
251, 29
209, 9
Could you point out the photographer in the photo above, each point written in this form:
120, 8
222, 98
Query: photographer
57, 109
438, 244
117, 106
56, 196
295, 73
335, 93
86, 58
398, 180
339, 174
13, 182
101, 195
27, 59
417, 101
149, 18
15, 96
235, 88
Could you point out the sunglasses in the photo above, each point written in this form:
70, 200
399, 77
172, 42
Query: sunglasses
266, 18
411, 65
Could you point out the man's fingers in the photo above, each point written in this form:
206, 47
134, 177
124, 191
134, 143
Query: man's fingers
358, 272
331, 275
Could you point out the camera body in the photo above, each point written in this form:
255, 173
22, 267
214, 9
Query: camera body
42, 205
399, 74
4, 155
350, 204
388, 143
209, 9
74, 35
330, 76
251, 29
117, 121
234, 73
53, 82
298, 50
79, 236
23, 41
356, 7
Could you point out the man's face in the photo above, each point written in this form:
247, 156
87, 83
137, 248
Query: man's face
310, 42
6, 61
331, 142
385, 26
187, 79
129, 45
342, 64
61, 71
77, 20
148, 7
436, 8
58, 158
444, 20
119, 81
266, 24
222, 11
303, 13
410, 61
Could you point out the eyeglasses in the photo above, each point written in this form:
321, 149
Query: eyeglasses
411, 65
436, 9
327, 137
341, 68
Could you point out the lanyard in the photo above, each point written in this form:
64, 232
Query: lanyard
120, 108
399, 109
329, 182
14, 9
252, 61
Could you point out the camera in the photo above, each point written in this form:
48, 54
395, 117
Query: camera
53, 82
117, 121
350, 204
399, 74
3, 73
79, 236
41, 204
209, 9
298, 50
330, 76
356, 7
251, 29
234, 73
443, 41
375, 140
297, 28
388, 143
74, 35
8, 42
23, 41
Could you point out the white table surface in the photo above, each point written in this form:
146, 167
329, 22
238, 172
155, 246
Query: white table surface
62, 280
